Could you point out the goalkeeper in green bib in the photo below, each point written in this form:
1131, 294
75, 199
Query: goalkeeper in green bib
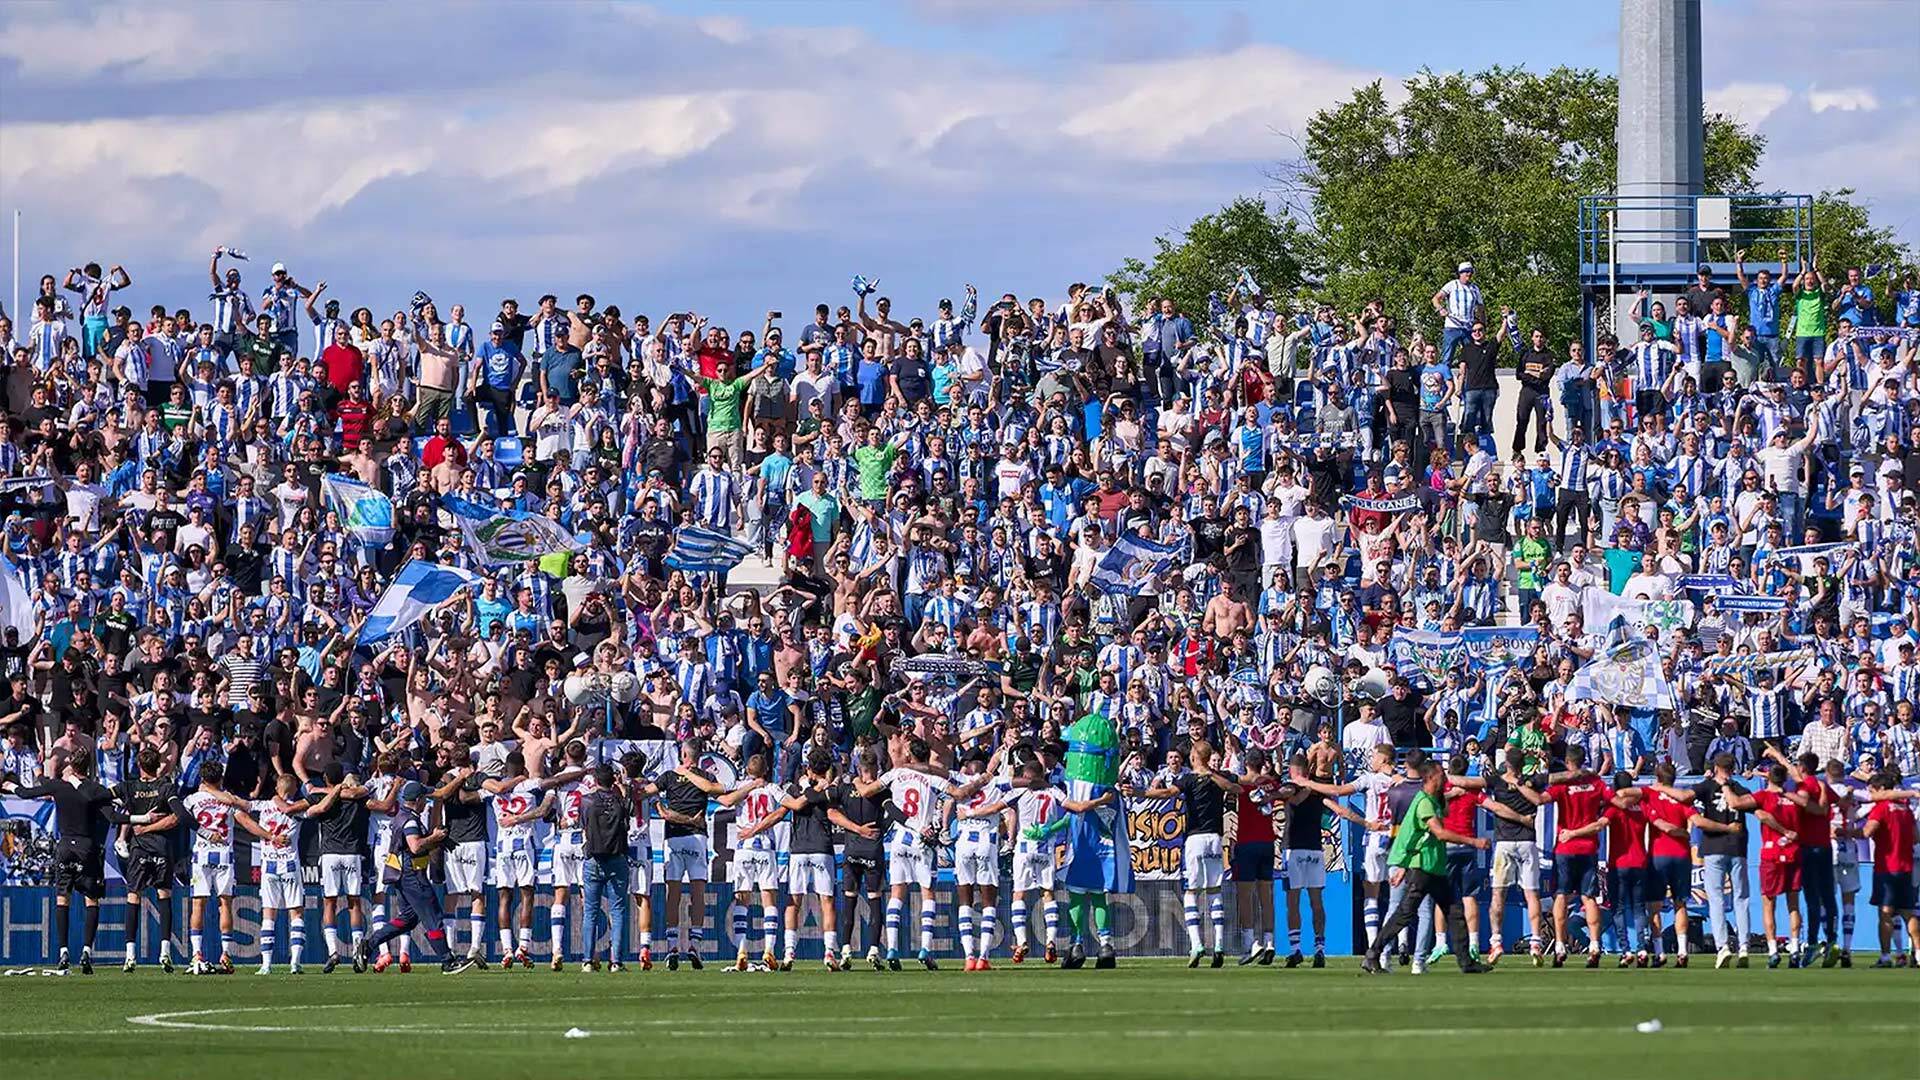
1098, 859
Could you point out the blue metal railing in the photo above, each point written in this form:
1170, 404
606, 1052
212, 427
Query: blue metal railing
1763, 225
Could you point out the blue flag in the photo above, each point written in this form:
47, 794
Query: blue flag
1132, 562
366, 513
419, 588
702, 550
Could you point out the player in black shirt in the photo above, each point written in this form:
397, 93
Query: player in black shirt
1306, 859
341, 814
810, 803
82, 809
684, 792
1516, 859
1204, 791
863, 872
148, 862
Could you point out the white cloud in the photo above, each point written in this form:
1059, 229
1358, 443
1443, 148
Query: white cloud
1748, 102
140, 42
1847, 99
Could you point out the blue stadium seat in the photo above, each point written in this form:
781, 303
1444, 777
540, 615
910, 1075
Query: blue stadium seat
510, 451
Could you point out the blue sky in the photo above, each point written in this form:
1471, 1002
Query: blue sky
735, 157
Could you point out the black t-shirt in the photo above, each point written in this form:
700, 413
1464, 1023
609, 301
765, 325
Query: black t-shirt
1481, 359
1491, 523
1403, 389
1508, 795
343, 827
860, 811
1206, 803
1403, 719
1209, 537
812, 832
277, 741
466, 821
1536, 369
144, 670
1244, 558
682, 796
1303, 822
1710, 802
159, 796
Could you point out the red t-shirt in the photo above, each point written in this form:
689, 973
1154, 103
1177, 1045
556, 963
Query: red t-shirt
1463, 808
1816, 828
1893, 840
1627, 836
1254, 821
345, 366
1773, 844
354, 419
1660, 808
438, 449
1579, 804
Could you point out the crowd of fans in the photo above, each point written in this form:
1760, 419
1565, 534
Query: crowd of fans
949, 486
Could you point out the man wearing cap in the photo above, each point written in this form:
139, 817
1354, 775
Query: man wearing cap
404, 867
277, 301
496, 371
1459, 303
1703, 292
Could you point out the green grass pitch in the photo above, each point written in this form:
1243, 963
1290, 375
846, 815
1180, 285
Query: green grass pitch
1148, 1018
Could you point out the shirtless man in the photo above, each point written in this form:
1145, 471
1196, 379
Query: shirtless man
439, 373
361, 462
1227, 613
314, 750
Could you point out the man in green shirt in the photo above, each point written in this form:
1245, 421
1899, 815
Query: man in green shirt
1419, 855
1530, 557
1809, 316
724, 394
873, 461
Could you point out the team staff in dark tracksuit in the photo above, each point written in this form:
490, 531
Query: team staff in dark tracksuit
404, 868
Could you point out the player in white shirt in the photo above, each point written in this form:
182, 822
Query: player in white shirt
568, 787
383, 799
1038, 808
756, 863
278, 857
1373, 785
640, 792
914, 790
1849, 809
516, 802
214, 814
976, 862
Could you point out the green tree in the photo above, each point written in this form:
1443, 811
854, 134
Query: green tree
1209, 255
1487, 167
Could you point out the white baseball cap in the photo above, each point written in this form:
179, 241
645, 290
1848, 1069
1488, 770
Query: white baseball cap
279, 268
1464, 268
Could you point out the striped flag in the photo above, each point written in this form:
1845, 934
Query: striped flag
1626, 674
419, 588
1132, 562
366, 513
702, 550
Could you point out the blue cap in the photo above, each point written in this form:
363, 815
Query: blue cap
412, 791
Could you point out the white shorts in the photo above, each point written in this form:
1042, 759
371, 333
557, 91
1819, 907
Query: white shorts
639, 871
1516, 862
1033, 869
213, 875
687, 858
467, 867
1201, 864
810, 874
513, 867
756, 870
569, 859
976, 864
380, 842
909, 863
280, 886
1373, 859
339, 875
1306, 868
1846, 868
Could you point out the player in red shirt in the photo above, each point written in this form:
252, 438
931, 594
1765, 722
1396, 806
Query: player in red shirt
1465, 870
1889, 828
1253, 842
1580, 799
1670, 862
1628, 864
1780, 814
1817, 862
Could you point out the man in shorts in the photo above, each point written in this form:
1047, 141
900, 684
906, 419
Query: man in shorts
1373, 786
1203, 792
339, 814
463, 808
1307, 862
976, 864
913, 789
147, 862
278, 857
1516, 855
684, 791
1890, 829
756, 864
1670, 863
82, 810
1040, 814
1253, 840
807, 803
